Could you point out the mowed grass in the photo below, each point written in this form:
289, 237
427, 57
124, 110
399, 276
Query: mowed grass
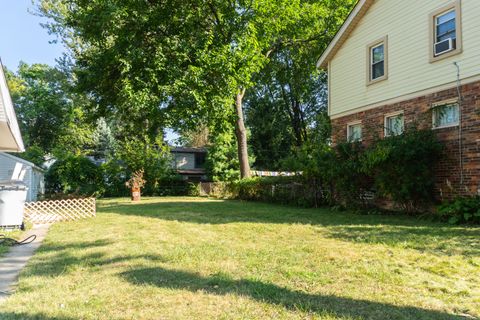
189, 258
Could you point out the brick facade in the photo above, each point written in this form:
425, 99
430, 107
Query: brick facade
417, 112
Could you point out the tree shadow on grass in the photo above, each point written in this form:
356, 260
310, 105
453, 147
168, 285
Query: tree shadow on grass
393, 230
27, 316
276, 295
56, 259
437, 240
66, 245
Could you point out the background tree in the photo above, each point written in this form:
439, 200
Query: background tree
196, 138
51, 117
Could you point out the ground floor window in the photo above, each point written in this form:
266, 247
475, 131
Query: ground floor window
354, 131
446, 115
394, 124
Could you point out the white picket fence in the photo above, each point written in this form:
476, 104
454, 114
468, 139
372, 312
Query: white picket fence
60, 210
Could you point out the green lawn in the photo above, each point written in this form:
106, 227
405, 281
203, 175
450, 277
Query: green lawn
187, 258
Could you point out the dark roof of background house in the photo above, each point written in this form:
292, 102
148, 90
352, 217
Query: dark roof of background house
188, 150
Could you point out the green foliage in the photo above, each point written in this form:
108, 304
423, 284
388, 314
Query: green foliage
104, 143
461, 210
222, 161
403, 167
190, 57
272, 138
336, 173
198, 137
399, 168
51, 116
284, 190
349, 178
176, 186
75, 175
283, 110
114, 176
222, 157
141, 153
34, 154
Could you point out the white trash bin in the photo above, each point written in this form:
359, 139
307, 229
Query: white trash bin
13, 195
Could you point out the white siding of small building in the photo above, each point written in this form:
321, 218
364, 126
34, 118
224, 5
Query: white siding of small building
34, 179
406, 23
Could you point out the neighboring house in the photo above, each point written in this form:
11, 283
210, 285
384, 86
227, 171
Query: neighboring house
398, 63
30, 174
190, 163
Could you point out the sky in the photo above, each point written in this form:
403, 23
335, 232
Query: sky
22, 37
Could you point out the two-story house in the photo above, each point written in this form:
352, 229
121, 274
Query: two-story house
398, 63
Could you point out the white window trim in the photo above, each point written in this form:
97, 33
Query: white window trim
440, 104
391, 115
351, 124
455, 5
383, 41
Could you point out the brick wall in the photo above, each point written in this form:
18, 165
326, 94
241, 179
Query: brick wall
418, 112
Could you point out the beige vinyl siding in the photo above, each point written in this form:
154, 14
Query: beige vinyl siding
406, 23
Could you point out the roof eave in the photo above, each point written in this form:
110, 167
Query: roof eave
14, 133
350, 23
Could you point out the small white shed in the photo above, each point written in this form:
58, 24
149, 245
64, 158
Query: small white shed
33, 176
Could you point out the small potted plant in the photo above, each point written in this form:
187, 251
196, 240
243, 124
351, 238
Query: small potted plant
136, 183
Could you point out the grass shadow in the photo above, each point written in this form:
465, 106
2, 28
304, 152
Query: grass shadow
56, 259
26, 316
276, 295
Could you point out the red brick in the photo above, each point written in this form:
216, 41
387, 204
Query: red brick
417, 111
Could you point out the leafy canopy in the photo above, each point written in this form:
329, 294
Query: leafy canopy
176, 61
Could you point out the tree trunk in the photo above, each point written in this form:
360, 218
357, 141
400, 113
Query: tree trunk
241, 134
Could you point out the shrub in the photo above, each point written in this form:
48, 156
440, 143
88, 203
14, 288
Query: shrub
74, 175
403, 167
334, 175
461, 210
284, 190
399, 168
114, 176
350, 178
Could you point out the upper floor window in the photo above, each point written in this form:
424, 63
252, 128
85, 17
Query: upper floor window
354, 131
446, 115
377, 61
446, 31
394, 124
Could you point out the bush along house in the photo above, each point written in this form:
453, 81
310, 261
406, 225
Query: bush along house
396, 64
189, 163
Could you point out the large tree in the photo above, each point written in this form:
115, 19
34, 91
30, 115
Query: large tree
173, 62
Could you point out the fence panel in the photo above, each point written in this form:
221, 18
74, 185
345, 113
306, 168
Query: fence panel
60, 210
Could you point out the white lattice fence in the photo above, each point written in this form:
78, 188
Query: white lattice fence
60, 210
